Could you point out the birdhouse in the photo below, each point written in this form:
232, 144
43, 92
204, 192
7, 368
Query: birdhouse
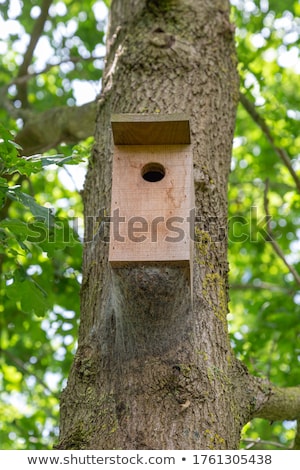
152, 190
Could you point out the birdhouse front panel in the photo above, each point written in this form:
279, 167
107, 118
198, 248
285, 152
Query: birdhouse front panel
152, 197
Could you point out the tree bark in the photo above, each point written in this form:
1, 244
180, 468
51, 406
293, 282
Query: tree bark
153, 370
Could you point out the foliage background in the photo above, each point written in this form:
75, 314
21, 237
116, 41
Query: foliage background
41, 231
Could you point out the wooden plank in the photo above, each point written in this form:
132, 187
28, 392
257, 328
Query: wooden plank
150, 129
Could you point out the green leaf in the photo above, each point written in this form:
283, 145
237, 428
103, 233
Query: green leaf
3, 191
32, 297
60, 160
40, 212
17, 227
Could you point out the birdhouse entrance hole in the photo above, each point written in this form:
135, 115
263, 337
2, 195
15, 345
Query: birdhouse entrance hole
153, 172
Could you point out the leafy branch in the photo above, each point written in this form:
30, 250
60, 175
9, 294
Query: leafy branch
74, 60
23, 368
26, 114
262, 286
282, 154
45, 130
274, 243
16, 235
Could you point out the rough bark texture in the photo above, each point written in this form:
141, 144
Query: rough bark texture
153, 371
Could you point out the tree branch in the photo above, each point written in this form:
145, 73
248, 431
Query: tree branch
39, 137
27, 59
26, 77
275, 403
262, 286
250, 108
21, 366
8, 105
47, 129
275, 245
268, 401
258, 441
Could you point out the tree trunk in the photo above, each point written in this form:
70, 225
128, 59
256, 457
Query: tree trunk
152, 370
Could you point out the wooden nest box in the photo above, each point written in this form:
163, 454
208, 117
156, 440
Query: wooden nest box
152, 190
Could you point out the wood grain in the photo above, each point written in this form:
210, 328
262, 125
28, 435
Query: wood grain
150, 220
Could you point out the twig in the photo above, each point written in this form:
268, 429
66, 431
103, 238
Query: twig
5, 103
26, 114
25, 78
250, 108
71, 177
262, 286
253, 442
21, 366
275, 245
